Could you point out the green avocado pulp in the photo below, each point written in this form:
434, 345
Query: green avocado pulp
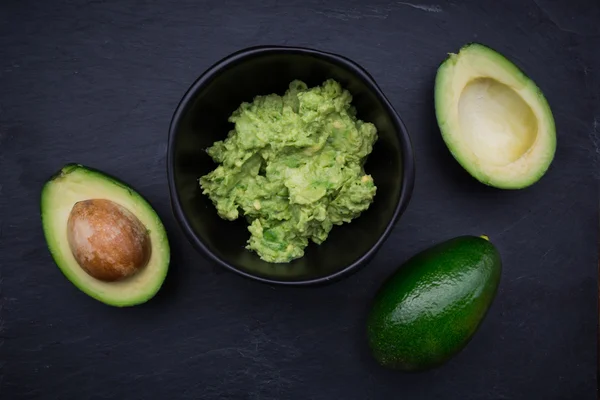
294, 166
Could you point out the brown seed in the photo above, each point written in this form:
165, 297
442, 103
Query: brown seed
108, 241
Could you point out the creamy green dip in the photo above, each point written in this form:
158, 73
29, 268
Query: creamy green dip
293, 166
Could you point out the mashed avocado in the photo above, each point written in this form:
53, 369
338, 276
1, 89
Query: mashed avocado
293, 166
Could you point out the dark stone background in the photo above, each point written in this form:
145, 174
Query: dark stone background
96, 82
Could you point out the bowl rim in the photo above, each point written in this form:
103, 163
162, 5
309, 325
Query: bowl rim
408, 162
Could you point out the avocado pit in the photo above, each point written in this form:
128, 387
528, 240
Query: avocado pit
107, 240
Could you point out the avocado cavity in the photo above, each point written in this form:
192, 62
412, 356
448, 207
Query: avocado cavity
497, 124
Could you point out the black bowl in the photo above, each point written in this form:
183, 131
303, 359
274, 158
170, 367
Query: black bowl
201, 119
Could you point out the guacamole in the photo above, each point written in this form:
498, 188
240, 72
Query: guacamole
293, 166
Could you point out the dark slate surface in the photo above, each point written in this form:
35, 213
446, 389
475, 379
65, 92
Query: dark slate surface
97, 81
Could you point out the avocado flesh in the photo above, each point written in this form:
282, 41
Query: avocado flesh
494, 119
76, 183
429, 309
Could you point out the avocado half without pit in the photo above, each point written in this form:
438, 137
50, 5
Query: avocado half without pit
493, 118
106, 239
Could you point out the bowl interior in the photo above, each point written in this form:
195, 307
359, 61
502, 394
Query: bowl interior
202, 120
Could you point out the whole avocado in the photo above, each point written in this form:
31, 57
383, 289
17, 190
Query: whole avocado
427, 311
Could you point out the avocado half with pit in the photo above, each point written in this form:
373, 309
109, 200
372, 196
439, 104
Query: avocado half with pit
493, 118
104, 236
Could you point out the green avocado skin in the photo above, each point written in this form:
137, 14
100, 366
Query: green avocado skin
428, 310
